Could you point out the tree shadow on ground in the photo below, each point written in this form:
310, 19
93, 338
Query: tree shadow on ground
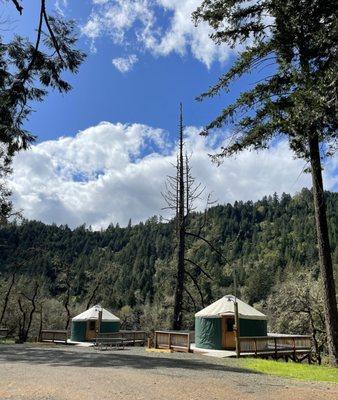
62, 356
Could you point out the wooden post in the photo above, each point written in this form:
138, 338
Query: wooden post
100, 320
275, 340
255, 344
237, 331
169, 340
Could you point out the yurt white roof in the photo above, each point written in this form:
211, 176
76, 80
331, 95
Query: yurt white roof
225, 306
93, 314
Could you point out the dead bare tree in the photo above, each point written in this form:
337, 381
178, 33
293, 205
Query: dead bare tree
94, 292
181, 191
180, 195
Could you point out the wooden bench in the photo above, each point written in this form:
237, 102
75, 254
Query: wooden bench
52, 335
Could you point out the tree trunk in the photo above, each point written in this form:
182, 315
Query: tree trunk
31, 314
66, 305
6, 300
22, 332
177, 320
314, 338
40, 324
325, 261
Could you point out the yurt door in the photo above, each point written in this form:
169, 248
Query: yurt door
91, 330
228, 333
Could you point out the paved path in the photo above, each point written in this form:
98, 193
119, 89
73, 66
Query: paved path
47, 372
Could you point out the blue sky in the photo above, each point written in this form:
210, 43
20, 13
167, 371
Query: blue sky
104, 149
149, 93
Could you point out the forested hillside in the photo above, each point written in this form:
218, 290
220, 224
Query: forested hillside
130, 270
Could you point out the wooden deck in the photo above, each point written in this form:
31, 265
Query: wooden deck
294, 347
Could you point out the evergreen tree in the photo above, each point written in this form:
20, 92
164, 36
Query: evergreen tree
27, 71
299, 99
136, 266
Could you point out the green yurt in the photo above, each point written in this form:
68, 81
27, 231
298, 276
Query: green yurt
86, 325
214, 325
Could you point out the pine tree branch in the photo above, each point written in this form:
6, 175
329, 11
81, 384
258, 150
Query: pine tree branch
51, 32
18, 6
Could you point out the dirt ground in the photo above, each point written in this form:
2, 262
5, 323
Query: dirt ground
60, 372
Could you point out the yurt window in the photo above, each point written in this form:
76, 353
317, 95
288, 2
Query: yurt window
230, 324
92, 325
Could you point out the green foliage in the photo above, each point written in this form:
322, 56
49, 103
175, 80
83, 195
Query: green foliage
132, 269
302, 372
27, 71
5, 200
295, 41
296, 306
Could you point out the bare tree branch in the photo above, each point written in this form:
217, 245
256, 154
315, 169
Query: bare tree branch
197, 286
208, 243
191, 298
199, 267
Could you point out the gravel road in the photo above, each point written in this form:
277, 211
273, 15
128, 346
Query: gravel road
58, 372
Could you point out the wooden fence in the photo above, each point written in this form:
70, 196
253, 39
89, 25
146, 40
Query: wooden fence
51, 335
297, 347
177, 341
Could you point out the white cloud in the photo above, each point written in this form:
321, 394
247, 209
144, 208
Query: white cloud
183, 34
125, 64
140, 23
115, 18
60, 6
113, 172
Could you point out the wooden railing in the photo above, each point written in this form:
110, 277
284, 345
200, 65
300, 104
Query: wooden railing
178, 341
127, 337
277, 345
51, 335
